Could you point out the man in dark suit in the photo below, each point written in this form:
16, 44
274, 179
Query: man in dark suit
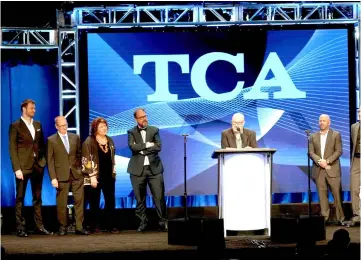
237, 136
27, 154
145, 167
64, 164
355, 172
325, 149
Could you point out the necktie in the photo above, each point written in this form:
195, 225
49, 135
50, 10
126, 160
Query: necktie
239, 143
66, 143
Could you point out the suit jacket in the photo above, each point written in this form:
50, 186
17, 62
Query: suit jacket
354, 131
229, 139
332, 153
136, 145
22, 146
60, 162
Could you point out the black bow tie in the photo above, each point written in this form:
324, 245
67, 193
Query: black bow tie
141, 129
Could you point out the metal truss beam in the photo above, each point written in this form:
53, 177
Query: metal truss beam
236, 13
69, 77
27, 38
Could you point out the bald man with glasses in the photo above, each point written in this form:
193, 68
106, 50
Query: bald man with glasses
64, 164
237, 136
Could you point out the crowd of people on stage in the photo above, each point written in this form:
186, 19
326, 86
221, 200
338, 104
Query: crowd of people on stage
88, 169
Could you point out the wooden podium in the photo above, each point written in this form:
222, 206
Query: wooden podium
244, 188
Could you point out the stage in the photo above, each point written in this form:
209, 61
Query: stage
129, 243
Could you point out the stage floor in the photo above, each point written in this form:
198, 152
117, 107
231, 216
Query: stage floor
132, 242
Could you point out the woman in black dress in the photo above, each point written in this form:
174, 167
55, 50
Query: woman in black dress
99, 168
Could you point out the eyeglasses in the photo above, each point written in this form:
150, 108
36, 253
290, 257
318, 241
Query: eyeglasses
142, 117
238, 123
63, 126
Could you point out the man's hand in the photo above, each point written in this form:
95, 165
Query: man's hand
19, 175
148, 144
54, 183
94, 182
323, 163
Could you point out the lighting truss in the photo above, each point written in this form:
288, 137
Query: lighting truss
69, 77
27, 38
65, 38
193, 15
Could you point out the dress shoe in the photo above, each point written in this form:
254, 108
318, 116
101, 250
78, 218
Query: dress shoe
354, 223
96, 230
163, 227
62, 232
43, 231
81, 232
142, 227
22, 233
114, 230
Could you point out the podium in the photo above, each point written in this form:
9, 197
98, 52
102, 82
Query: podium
244, 188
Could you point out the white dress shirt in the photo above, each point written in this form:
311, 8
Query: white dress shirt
323, 143
30, 126
143, 133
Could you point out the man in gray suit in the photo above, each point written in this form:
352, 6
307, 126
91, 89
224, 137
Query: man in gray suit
355, 171
145, 167
64, 163
325, 149
237, 136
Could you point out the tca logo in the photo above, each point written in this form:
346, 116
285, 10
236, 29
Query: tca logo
198, 76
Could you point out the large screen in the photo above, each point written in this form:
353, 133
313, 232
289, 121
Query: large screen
192, 82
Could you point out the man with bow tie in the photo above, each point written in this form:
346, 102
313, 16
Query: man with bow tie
27, 154
64, 164
145, 167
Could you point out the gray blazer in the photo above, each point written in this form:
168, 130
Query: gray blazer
354, 131
59, 161
332, 153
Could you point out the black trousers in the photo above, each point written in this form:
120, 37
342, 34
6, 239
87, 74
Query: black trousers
107, 185
62, 192
156, 185
36, 180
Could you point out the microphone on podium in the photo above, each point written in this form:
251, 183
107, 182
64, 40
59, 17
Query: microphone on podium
185, 134
307, 132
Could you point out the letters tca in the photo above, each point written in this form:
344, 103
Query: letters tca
198, 76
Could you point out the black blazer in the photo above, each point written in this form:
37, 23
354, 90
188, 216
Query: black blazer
229, 139
59, 161
136, 145
22, 146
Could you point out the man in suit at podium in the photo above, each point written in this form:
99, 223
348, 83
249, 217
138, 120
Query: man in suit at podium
325, 149
237, 136
27, 154
64, 164
145, 167
355, 172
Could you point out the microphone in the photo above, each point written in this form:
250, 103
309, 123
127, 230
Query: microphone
307, 132
238, 129
185, 134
